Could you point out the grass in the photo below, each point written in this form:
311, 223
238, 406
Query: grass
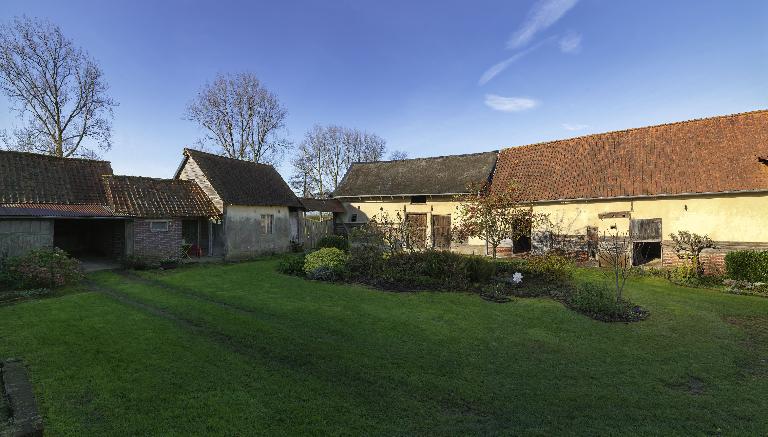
241, 349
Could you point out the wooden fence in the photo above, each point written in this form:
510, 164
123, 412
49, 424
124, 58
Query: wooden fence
315, 230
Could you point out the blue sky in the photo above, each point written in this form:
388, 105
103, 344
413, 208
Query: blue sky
420, 74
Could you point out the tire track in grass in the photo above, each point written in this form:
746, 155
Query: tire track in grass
181, 291
362, 384
181, 322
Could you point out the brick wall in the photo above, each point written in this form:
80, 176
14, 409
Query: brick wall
712, 260
156, 245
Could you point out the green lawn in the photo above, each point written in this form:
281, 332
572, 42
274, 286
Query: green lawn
241, 349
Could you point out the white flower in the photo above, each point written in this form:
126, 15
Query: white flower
517, 278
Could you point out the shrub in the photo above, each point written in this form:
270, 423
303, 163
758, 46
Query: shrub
446, 269
325, 262
291, 265
551, 267
43, 268
747, 265
599, 301
337, 241
365, 260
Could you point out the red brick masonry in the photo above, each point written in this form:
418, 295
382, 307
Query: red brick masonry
156, 245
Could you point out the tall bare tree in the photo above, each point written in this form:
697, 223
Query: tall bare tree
240, 118
325, 154
57, 90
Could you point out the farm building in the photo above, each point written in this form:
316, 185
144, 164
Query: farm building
259, 214
708, 176
423, 191
78, 205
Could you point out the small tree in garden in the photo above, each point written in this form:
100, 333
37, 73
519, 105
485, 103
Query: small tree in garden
615, 255
394, 233
688, 246
494, 216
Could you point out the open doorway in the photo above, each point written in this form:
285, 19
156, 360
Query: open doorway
646, 253
90, 238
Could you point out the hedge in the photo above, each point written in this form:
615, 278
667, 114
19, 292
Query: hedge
747, 265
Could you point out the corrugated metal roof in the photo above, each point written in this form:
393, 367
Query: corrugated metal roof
53, 210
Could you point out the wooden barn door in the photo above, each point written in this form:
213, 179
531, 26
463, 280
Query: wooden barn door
441, 232
417, 227
645, 229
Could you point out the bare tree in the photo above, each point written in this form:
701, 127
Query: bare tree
57, 90
325, 154
397, 155
615, 255
240, 118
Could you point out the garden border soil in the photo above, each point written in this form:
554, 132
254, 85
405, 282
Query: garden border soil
25, 418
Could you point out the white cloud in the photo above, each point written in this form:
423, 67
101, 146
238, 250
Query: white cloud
509, 104
574, 126
501, 66
543, 14
570, 43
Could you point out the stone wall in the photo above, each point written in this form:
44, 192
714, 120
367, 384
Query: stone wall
155, 246
18, 236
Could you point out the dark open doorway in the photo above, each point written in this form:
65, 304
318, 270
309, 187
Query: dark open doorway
90, 238
646, 252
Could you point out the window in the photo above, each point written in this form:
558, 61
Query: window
159, 225
418, 199
353, 218
267, 221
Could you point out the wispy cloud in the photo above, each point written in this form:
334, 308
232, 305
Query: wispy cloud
574, 126
509, 104
570, 43
501, 66
543, 14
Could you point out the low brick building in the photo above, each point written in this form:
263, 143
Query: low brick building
169, 217
79, 206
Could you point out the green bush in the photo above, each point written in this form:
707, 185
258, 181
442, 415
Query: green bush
599, 301
436, 268
328, 263
365, 260
292, 264
747, 265
551, 267
337, 241
42, 268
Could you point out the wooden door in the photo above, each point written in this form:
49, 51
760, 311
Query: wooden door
645, 229
417, 229
441, 232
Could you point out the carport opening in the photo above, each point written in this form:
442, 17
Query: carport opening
90, 238
646, 252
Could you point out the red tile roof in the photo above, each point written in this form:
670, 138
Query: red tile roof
711, 155
136, 196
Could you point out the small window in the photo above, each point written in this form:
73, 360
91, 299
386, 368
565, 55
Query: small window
353, 218
159, 226
418, 199
267, 221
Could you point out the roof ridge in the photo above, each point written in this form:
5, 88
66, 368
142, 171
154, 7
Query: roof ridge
214, 155
425, 158
145, 178
632, 129
54, 158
